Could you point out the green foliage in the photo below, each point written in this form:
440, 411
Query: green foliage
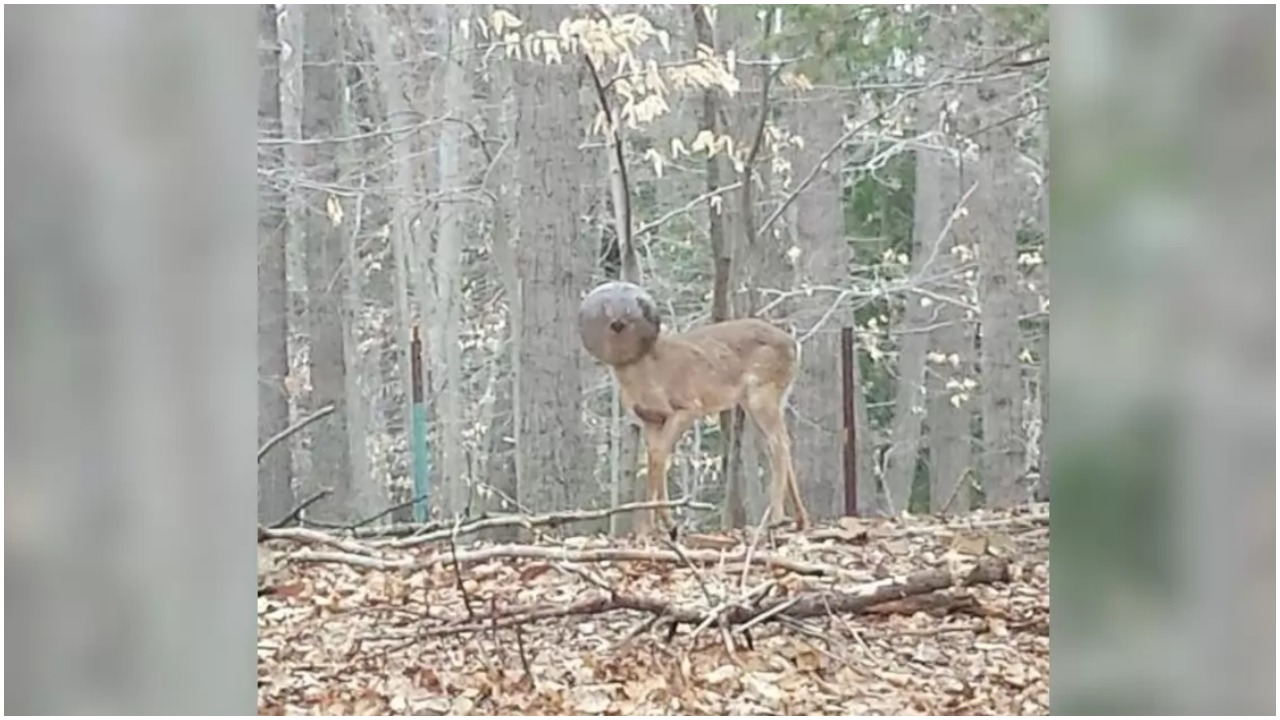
848, 42
1030, 23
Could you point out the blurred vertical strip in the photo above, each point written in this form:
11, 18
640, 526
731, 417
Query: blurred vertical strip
131, 240
1163, 437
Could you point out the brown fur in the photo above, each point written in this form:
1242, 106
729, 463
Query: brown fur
670, 381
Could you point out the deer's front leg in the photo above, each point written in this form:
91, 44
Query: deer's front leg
660, 440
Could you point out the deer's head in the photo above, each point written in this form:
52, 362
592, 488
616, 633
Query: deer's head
619, 323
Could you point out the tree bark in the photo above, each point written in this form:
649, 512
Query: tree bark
331, 465
454, 165
553, 462
275, 471
951, 398
995, 219
817, 217
734, 513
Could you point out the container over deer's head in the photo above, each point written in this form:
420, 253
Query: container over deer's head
619, 323
670, 380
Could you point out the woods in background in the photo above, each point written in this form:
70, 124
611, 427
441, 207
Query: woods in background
474, 170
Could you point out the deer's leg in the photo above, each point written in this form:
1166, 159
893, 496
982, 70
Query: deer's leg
660, 442
656, 478
765, 408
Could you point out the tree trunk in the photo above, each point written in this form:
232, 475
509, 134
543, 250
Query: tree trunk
823, 259
913, 338
403, 190
1042, 492
331, 465
501, 467
995, 220
554, 465
275, 471
951, 370
734, 512
454, 165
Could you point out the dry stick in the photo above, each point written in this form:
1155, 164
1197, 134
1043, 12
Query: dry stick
607, 554
711, 603
610, 554
754, 597
285, 433
755, 540
374, 518
524, 658
552, 519
803, 605
296, 512
308, 535
457, 570
346, 558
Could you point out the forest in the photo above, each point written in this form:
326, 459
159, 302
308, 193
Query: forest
469, 173
440, 186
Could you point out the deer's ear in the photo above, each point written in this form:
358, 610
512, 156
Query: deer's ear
650, 312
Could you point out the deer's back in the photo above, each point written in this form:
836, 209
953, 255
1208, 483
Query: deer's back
747, 346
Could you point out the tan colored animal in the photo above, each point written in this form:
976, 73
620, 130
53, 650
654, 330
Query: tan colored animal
670, 381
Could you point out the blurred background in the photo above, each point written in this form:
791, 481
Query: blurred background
882, 168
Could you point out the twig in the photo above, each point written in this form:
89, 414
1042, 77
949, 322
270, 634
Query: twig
662, 220
611, 554
295, 513
803, 605
817, 166
552, 519
955, 491
285, 433
626, 239
755, 540
711, 603
309, 535
457, 570
524, 658
384, 513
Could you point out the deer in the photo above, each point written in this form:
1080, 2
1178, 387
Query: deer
669, 381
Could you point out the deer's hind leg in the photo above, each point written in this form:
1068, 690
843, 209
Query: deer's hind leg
764, 405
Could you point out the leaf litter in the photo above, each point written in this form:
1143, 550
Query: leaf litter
409, 637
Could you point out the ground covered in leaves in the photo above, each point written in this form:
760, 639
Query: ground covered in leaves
869, 617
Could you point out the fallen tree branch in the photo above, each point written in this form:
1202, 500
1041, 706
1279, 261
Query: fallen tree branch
547, 520
285, 433
317, 537
614, 554
585, 555
802, 605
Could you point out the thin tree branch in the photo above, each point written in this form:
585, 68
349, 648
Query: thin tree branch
817, 166
295, 513
283, 434
622, 198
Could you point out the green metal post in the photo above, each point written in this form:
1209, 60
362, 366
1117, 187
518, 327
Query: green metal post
421, 458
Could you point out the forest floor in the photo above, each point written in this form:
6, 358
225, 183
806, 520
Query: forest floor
903, 616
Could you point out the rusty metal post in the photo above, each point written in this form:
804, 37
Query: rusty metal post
850, 424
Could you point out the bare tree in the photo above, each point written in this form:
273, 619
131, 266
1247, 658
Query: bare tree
821, 257
950, 367
275, 471
331, 465
553, 465
454, 170
995, 218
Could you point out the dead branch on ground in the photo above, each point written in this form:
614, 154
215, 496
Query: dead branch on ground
797, 607
550, 520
